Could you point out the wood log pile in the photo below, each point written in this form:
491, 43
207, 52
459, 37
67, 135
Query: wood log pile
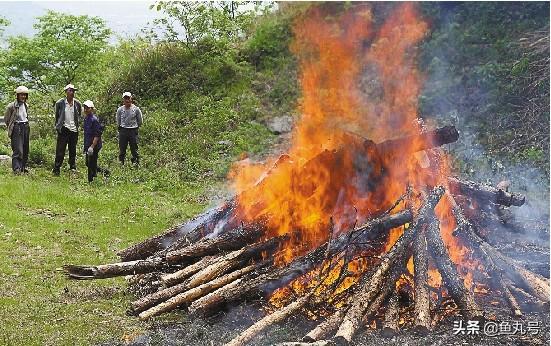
216, 260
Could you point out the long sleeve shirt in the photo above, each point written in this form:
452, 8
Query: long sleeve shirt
129, 118
92, 128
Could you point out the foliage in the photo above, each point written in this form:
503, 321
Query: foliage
482, 76
192, 22
64, 50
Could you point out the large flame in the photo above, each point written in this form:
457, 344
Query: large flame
358, 81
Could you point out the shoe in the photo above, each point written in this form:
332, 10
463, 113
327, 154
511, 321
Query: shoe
74, 169
55, 172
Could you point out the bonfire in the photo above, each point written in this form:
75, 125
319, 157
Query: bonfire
362, 209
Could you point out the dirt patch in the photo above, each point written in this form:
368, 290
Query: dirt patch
223, 327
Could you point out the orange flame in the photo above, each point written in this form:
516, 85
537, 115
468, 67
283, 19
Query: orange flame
357, 82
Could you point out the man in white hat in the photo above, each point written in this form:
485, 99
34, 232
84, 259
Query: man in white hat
92, 139
17, 122
129, 119
68, 111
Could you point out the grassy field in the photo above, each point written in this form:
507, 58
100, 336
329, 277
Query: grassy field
46, 222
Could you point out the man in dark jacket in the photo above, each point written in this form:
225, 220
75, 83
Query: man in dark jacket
17, 123
68, 111
92, 139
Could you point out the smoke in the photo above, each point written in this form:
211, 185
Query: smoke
447, 99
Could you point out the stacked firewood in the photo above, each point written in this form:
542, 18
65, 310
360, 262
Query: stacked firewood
216, 260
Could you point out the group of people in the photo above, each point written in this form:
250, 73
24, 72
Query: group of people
68, 115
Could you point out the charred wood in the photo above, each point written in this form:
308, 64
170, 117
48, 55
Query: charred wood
485, 193
223, 265
450, 276
371, 284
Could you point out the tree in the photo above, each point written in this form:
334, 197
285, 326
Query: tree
193, 21
61, 52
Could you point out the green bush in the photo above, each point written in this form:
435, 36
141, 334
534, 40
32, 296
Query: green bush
40, 152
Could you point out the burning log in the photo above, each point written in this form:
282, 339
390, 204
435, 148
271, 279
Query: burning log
260, 286
485, 193
228, 241
103, 271
450, 276
410, 144
390, 324
497, 277
422, 293
372, 283
198, 291
534, 283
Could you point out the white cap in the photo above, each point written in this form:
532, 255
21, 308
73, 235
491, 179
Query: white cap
69, 86
126, 93
88, 104
21, 90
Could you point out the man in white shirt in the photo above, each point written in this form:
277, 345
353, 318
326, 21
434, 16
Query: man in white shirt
68, 111
17, 122
129, 119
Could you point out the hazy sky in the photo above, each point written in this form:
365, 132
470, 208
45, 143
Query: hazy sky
124, 18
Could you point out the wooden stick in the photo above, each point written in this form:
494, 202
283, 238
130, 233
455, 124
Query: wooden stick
422, 293
314, 343
103, 271
179, 276
212, 271
323, 329
450, 276
223, 265
199, 291
277, 316
228, 241
534, 283
390, 324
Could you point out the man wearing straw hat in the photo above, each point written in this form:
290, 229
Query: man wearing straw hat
17, 122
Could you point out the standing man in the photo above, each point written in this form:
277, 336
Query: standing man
17, 123
92, 139
129, 119
67, 112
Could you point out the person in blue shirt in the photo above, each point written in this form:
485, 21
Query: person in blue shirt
92, 139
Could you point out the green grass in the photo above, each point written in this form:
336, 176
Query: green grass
47, 222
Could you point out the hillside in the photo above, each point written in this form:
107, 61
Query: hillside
209, 98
